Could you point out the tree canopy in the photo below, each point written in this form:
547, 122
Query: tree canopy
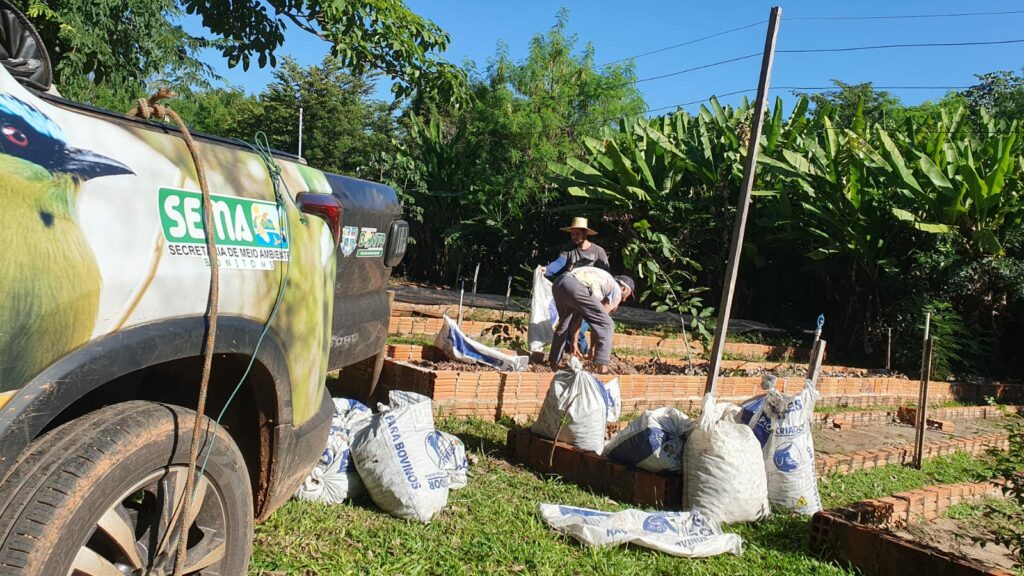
105, 51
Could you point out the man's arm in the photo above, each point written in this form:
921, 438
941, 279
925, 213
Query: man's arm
555, 266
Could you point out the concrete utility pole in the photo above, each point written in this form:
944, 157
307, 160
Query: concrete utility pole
749, 169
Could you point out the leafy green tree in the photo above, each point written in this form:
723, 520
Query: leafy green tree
228, 112
491, 157
107, 51
848, 102
343, 126
1001, 93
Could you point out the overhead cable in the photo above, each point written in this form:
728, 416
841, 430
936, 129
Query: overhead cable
905, 16
888, 46
687, 43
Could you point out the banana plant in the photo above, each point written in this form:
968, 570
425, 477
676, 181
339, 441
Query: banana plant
961, 178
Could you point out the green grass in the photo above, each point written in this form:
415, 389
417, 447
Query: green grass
931, 406
492, 527
412, 340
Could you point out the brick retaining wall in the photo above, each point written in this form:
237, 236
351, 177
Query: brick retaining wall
858, 533
491, 394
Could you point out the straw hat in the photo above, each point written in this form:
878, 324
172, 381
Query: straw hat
578, 222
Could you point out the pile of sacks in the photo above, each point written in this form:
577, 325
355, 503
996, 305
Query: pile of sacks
396, 455
738, 463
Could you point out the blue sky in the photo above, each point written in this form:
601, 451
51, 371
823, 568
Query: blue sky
620, 29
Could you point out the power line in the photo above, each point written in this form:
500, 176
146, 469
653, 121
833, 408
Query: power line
888, 46
817, 50
687, 70
811, 18
906, 16
872, 86
687, 43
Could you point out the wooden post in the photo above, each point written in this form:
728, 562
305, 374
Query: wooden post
475, 274
922, 408
378, 364
888, 354
921, 399
814, 368
743, 207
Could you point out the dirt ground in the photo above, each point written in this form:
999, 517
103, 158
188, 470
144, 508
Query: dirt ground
955, 537
653, 366
873, 437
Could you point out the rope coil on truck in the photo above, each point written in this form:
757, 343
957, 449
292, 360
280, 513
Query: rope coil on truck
150, 108
146, 108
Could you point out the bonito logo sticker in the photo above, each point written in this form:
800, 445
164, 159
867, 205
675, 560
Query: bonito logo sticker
249, 232
371, 243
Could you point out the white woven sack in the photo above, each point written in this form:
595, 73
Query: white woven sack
393, 457
653, 441
723, 470
684, 534
334, 478
583, 401
782, 423
449, 453
543, 314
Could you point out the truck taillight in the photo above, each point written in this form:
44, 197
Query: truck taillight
398, 239
325, 206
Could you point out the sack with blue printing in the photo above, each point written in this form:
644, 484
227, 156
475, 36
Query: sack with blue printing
723, 470
450, 455
397, 460
684, 534
334, 478
543, 314
583, 402
460, 348
654, 441
782, 424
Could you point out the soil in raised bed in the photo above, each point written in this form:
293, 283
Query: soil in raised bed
875, 436
956, 537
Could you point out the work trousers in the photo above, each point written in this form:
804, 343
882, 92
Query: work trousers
575, 304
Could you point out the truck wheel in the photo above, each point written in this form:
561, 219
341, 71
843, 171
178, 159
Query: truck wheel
101, 496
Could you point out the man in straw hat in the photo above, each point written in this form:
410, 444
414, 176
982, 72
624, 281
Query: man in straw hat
590, 294
581, 252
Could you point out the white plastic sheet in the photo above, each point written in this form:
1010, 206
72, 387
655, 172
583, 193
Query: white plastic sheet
684, 534
543, 314
460, 348
723, 470
654, 441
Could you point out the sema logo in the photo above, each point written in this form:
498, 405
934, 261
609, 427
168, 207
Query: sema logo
249, 233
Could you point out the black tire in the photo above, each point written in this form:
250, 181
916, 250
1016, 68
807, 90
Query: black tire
98, 493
